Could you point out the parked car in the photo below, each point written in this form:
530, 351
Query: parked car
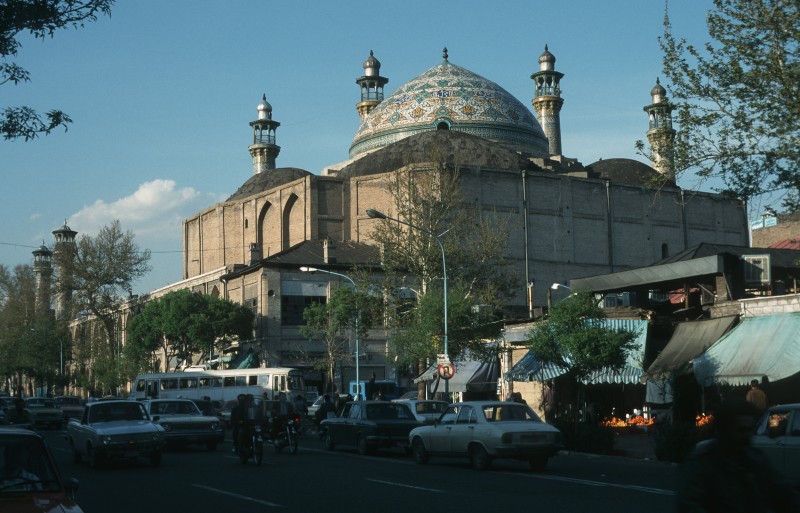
426, 410
207, 407
411, 394
35, 484
72, 406
184, 423
778, 436
368, 425
487, 430
44, 412
118, 429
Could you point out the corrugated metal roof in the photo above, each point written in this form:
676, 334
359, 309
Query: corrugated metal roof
767, 345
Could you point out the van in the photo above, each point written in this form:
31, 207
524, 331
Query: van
387, 388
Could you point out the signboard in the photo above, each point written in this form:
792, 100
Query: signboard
446, 370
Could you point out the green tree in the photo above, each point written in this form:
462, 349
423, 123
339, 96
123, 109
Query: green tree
429, 197
182, 326
737, 98
41, 19
347, 314
574, 338
99, 272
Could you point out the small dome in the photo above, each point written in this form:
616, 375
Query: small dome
372, 66
264, 109
547, 60
658, 92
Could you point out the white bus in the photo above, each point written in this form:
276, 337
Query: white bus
221, 385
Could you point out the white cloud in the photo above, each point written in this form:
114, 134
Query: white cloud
153, 213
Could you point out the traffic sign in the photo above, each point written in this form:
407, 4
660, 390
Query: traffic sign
446, 370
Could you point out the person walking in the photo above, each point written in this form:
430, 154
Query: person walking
548, 402
756, 396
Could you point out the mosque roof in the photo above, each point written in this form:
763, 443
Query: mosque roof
626, 171
452, 97
437, 146
267, 180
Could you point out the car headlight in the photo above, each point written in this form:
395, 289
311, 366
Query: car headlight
215, 426
106, 440
166, 427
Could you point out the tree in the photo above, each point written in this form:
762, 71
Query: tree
479, 281
40, 18
99, 272
347, 314
575, 339
182, 324
737, 98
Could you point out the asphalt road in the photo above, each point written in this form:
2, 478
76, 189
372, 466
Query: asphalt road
315, 480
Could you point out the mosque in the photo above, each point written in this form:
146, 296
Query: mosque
571, 220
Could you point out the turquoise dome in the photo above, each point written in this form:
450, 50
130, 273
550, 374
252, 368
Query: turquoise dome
451, 97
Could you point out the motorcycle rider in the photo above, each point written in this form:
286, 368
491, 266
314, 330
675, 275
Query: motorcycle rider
281, 410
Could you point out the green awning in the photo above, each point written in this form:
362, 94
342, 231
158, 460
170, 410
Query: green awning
767, 345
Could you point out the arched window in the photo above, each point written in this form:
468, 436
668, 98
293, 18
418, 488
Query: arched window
664, 250
442, 125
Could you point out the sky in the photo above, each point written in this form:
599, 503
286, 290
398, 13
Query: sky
162, 93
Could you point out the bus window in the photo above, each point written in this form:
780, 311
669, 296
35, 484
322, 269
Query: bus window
210, 382
169, 384
241, 381
229, 381
263, 380
187, 383
252, 381
140, 385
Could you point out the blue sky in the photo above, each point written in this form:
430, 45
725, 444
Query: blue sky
161, 94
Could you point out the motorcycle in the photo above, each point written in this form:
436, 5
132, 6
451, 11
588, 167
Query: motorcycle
251, 444
286, 435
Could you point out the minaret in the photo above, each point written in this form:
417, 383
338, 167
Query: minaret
660, 133
547, 101
264, 150
42, 271
64, 251
371, 85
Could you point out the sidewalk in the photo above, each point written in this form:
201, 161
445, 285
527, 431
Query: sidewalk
641, 446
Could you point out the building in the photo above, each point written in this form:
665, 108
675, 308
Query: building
570, 220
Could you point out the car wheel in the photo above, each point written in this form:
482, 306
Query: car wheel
362, 445
155, 458
93, 457
538, 462
421, 456
479, 457
329, 441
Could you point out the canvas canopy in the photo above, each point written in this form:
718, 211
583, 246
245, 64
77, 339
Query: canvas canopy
470, 376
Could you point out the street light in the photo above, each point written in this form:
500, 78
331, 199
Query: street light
374, 214
554, 286
358, 318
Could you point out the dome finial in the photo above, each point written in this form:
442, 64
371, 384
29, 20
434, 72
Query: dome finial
444, 54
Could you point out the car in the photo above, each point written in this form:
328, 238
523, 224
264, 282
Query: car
486, 430
311, 396
426, 410
37, 484
115, 430
72, 406
207, 407
412, 394
312, 410
44, 412
369, 425
777, 435
184, 423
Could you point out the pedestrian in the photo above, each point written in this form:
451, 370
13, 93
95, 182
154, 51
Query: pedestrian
727, 474
756, 396
548, 402
238, 416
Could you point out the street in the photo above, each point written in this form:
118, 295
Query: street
315, 479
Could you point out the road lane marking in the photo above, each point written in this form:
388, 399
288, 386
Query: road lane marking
406, 486
646, 489
243, 497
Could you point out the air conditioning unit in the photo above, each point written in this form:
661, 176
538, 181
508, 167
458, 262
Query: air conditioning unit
756, 269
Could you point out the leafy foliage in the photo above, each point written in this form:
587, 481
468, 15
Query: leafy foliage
737, 98
574, 338
182, 324
40, 18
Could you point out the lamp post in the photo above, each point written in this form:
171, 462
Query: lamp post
554, 286
374, 214
358, 318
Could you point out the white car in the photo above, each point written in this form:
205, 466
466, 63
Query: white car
486, 430
426, 410
778, 436
184, 423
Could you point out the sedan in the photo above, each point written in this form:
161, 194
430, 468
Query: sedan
425, 409
184, 423
486, 430
778, 436
368, 425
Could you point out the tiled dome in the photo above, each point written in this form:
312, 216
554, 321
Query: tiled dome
449, 96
